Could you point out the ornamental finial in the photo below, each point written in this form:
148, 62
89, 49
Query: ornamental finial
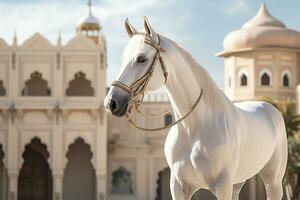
59, 39
15, 38
90, 5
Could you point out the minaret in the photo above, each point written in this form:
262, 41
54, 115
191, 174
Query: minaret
89, 25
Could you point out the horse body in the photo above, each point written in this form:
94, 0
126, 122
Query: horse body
219, 139
220, 144
261, 129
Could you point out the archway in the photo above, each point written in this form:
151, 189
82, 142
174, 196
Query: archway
35, 179
121, 181
36, 86
286, 81
3, 176
244, 80
79, 181
80, 86
163, 185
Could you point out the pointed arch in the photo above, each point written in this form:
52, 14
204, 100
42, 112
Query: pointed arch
79, 169
243, 78
286, 78
168, 119
121, 181
36, 86
3, 176
2, 89
35, 177
265, 77
80, 86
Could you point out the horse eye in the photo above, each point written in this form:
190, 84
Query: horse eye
141, 59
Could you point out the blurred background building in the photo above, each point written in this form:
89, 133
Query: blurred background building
56, 141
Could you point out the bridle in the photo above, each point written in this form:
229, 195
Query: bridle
138, 87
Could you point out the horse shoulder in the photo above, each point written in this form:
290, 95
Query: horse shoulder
175, 144
215, 149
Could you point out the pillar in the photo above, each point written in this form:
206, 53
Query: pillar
101, 155
13, 154
142, 178
101, 186
57, 154
57, 184
13, 184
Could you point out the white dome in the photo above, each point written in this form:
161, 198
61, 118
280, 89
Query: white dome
262, 31
89, 19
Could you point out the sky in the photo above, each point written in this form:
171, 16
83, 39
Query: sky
199, 26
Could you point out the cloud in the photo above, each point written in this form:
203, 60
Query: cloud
238, 7
169, 17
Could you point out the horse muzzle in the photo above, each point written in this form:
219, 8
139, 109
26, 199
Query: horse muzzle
116, 102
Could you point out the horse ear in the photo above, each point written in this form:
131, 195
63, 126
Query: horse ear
129, 28
149, 30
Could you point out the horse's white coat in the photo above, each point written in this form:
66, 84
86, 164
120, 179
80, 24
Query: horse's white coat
220, 145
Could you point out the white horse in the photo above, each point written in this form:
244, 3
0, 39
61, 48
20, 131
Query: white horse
214, 144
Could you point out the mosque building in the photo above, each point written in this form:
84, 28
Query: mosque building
56, 141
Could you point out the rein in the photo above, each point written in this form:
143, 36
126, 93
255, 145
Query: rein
167, 126
137, 89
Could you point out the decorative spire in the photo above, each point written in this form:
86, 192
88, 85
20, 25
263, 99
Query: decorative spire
90, 6
264, 18
59, 39
15, 39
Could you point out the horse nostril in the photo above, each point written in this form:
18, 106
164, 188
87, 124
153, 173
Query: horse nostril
113, 105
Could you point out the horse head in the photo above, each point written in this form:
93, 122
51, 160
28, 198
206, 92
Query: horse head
140, 71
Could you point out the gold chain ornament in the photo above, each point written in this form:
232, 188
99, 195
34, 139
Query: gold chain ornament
167, 126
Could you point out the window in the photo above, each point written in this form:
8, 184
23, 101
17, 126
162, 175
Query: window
121, 181
2, 89
244, 80
80, 86
286, 81
286, 78
36, 86
168, 119
265, 79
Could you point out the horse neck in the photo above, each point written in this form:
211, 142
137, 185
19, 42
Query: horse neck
185, 81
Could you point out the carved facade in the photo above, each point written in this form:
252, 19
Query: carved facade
51, 96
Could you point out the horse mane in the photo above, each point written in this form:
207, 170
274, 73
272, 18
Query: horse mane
212, 94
